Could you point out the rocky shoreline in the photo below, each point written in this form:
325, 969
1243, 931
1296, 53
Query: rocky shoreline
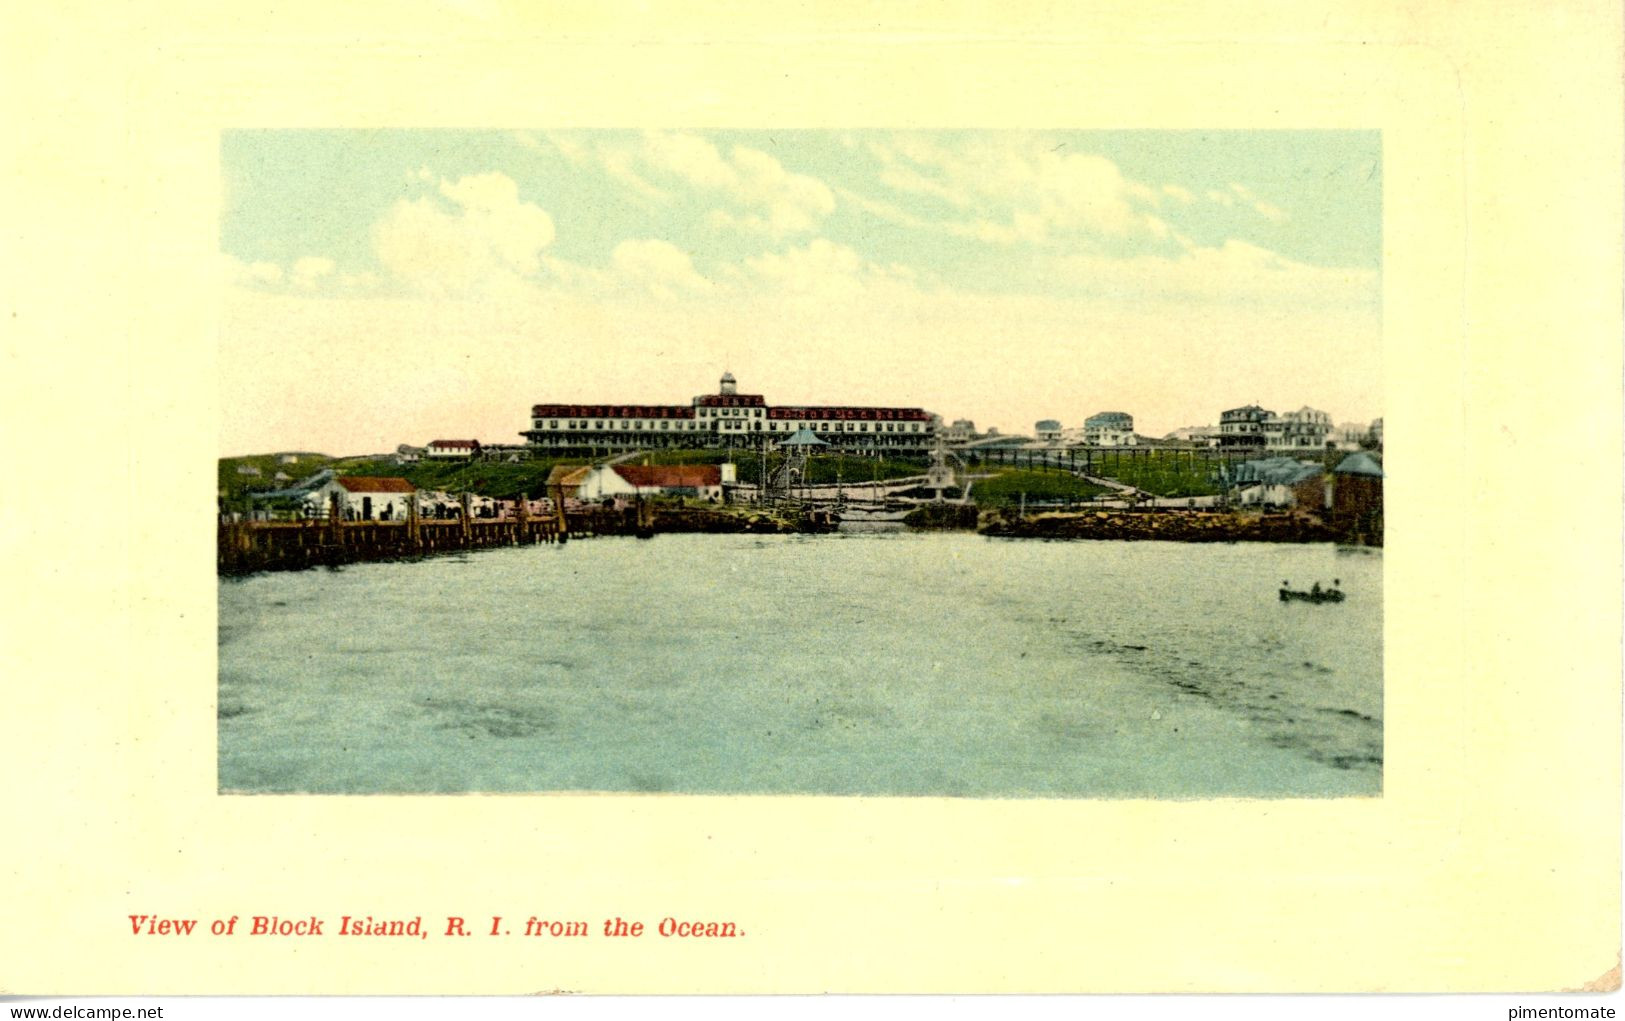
1167, 526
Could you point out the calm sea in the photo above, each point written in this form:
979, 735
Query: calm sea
867, 663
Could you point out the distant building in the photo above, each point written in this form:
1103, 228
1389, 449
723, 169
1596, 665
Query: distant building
247, 469
962, 431
994, 440
1376, 432
1109, 429
1349, 435
727, 418
452, 448
508, 453
1279, 482
1304, 429
363, 497
287, 459
1196, 435
1048, 430
1243, 428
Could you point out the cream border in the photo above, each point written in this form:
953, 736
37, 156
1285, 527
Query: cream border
1492, 861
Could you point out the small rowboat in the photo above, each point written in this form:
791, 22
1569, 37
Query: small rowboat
1315, 595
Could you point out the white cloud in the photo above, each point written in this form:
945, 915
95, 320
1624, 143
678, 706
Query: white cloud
753, 190
252, 274
820, 270
661, 267
691, 158
887, 211
1033, 192
481, 238
1233, 273
1178, 194
622, 164
1240, 194
1273, 213
309, 271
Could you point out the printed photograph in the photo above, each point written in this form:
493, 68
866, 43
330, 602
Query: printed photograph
881, 463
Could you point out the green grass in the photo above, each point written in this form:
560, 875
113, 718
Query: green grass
1160, 472
1008, 486
234, 485
485, 478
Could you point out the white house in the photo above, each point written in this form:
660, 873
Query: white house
1279, 482
1196, 435
363, 498
606, 481
1109, 429
1304, 429
452, 448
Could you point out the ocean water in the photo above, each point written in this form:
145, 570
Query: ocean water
866, 663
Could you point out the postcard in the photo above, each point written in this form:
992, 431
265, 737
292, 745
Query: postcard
719, 505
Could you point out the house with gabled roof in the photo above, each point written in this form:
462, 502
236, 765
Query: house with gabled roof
1279, 482
608, 481
452, 448
363, 497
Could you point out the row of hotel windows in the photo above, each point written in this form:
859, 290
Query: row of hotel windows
665, 425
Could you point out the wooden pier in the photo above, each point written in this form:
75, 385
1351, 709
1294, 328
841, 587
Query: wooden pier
246, 546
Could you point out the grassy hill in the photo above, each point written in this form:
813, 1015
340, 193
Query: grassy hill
486, 478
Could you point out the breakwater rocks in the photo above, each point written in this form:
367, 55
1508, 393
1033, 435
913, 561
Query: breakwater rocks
1167, 526
657, 520
942, 515
720, 523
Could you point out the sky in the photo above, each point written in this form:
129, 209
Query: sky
388, 287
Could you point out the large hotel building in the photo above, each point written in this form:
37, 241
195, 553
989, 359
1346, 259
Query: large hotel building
723, 419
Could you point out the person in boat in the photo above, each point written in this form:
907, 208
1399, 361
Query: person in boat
1314, 590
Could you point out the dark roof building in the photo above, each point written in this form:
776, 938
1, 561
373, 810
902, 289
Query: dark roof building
1360, 463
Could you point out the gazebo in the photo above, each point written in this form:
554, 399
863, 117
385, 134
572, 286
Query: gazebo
796, 447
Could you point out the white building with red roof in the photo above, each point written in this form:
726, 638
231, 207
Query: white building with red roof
363, 497
725, 419
453, 448
608, 481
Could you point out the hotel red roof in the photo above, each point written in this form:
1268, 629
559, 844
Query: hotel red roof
611, 411
852, 414
670, 476
375, 484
